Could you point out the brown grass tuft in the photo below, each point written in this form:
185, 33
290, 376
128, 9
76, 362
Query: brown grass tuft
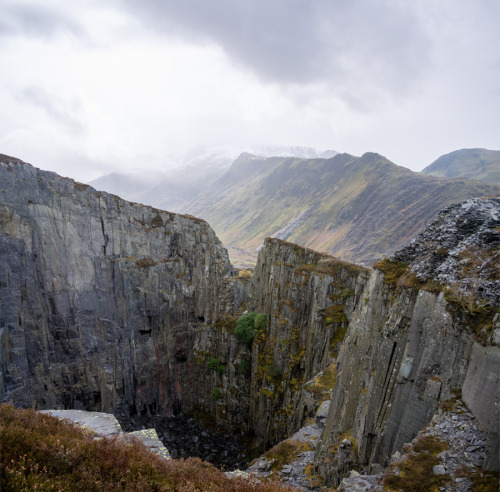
285, 452
416, 471
392, 270
41, 452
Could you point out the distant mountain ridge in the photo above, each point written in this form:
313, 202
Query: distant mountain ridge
482, 164
357, 208
170, 188
184, 177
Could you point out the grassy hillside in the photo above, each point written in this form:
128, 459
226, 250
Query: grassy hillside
356, 208
172, 187
479, 164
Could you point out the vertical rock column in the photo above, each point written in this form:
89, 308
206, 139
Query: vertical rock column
308, 298
403, 354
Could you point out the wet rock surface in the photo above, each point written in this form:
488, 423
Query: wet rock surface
184, 437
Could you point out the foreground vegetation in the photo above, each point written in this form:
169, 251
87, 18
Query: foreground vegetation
415, 473
41, 452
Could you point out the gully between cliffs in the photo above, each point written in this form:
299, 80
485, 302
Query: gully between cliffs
185, 437
113, 306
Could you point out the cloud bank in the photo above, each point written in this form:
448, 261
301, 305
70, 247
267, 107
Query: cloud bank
89, 88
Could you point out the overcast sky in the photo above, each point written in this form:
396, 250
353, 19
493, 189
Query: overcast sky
89, 87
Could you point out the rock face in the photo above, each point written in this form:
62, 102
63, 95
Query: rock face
468, 251
481, 393
113, 306
309, 299
407, 349
403, 354
102, 300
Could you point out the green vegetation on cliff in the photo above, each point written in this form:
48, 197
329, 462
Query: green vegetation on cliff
216, 365
248, 325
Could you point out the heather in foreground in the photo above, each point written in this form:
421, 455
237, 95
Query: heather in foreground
41, 452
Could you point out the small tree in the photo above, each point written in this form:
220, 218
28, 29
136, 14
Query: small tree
243, 368
244, 330
216, 394
248, 325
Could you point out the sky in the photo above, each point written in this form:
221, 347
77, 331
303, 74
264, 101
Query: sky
89, 87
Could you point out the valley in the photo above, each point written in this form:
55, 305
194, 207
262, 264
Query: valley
359, 209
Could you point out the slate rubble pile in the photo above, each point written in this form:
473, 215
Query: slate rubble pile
357, 482
294, 473
466, 442
471, 225
465, 453
184, 438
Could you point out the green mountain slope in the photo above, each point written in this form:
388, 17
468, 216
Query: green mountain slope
356, 208
479, 164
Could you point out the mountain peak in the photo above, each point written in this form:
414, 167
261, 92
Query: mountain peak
482, 164
356, 208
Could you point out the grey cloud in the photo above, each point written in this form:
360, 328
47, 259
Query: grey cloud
63, 112
357, 47
37, 21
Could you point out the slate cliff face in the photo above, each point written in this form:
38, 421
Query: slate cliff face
102, 299
413, 342
409, 341
309, 299
402, 356
113, 306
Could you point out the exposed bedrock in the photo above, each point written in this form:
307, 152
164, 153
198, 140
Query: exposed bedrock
481, 393
113, 306
102, 300
405, 353
309, 298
